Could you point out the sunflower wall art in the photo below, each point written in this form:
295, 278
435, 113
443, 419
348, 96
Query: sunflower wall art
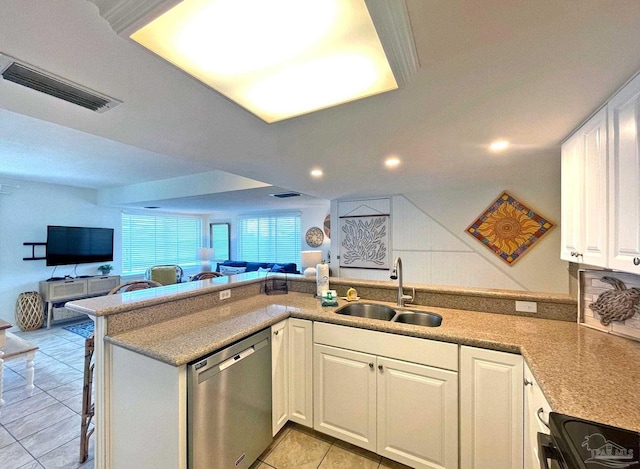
509, 228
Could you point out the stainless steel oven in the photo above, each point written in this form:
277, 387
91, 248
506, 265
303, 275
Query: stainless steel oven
581, 444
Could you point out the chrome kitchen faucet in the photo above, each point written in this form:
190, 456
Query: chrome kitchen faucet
396, 273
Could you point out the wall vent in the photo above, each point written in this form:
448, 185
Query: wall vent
45, 82
285, 195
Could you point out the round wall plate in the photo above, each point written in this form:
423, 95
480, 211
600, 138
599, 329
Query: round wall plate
314, 237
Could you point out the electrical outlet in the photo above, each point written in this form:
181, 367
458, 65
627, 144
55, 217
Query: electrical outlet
224, 294
527, 306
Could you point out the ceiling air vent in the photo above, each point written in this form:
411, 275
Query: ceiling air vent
285, 195
45, 82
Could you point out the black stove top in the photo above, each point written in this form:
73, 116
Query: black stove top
591, 445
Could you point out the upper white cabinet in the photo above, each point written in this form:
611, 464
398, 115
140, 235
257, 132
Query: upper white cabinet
584, 194
624, 201
601, 186
491, 409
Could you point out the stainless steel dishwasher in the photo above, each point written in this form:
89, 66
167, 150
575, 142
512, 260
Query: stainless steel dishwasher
229, 405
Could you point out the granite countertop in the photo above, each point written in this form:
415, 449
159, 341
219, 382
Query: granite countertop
582, 372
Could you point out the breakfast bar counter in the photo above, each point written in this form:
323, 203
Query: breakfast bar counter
584, 373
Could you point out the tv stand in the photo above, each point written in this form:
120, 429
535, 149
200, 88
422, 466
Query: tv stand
57, 292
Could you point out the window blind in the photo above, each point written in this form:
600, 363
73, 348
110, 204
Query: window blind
269, 238
220, 241
157, 240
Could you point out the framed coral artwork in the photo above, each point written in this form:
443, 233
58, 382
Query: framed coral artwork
509, 228
364, 241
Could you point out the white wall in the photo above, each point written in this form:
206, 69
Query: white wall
428, 232
25, 213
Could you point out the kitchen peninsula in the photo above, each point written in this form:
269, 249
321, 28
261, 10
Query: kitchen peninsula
584, 373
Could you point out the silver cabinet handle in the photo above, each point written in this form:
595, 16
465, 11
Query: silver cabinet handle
636, 261
539, 414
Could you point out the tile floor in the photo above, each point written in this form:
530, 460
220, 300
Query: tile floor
43, 430
298, 447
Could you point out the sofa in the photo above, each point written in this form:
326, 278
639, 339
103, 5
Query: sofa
230, 267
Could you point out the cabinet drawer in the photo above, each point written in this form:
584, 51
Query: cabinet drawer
412, 349
65, 290
98, 285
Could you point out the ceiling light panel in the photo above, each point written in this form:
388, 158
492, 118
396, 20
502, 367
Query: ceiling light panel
278, 59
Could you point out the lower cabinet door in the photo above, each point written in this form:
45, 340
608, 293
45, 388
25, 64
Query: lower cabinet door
345, 395
491, 409
279, 375
417, 414
301, 371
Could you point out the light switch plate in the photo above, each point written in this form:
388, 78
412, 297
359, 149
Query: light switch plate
527, 306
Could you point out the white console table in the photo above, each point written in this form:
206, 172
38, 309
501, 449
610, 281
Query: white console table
61, 291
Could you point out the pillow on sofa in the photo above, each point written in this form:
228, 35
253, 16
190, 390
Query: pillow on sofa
263, 269
228, 270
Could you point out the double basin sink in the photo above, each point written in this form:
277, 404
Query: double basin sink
386, 313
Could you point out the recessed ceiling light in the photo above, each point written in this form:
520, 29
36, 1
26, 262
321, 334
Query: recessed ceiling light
316, 173
392, 162
499, 145
278, 59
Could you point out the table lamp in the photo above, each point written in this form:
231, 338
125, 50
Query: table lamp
309, 261
205, 255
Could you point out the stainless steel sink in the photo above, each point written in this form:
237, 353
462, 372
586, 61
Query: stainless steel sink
419, 318
385, 313
364, 310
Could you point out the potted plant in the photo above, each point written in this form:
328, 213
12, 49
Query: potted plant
105, 269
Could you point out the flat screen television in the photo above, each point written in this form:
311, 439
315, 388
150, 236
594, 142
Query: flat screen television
78, 245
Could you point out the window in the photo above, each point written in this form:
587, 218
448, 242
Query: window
158, 240
273, 238
220, 241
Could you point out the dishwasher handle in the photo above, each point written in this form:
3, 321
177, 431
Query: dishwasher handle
236, 358
211, 366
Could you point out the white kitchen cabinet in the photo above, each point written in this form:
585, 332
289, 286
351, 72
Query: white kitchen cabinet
292, 373
300, 335
279, 375
584, 194
491, 409
536, 415
345, 395
624, 169
417, 414
571, 200
403, 410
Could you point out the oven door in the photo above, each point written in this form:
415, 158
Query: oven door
550, 457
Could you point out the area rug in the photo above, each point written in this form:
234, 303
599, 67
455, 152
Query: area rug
85, 329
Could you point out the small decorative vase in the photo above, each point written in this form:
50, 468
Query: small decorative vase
29, 311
